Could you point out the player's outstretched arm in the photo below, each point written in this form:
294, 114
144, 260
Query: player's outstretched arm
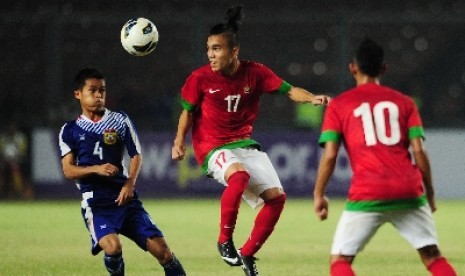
301, 95
325, 170
178, 151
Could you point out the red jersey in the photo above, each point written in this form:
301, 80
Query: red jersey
376, 123
225, 107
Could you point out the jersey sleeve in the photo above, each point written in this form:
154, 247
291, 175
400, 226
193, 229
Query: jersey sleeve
331, 128
270, 82
415, 125
191, 94
131, 139
65, 140
285, 87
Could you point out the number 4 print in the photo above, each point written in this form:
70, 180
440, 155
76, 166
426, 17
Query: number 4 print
98, 150
374, 123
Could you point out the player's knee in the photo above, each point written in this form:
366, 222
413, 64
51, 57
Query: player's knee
233, 169
159, 249
274, 196
341, 258
429, 253
111, 244
163, 256
278, 200
238, 181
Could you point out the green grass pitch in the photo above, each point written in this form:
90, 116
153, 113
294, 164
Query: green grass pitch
49, 238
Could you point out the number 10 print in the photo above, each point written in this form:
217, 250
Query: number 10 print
374, 123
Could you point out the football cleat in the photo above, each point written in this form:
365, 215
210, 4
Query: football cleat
229, 253
248, 265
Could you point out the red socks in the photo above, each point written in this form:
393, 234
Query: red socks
441, 267
264, 225
341, 268
264, 222
230, 203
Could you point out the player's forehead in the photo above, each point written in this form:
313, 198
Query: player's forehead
93, 82
217, 40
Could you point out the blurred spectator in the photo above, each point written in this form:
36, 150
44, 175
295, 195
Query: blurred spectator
13, 163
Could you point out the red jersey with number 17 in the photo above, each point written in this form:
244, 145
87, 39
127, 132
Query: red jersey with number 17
225, 107
375, 124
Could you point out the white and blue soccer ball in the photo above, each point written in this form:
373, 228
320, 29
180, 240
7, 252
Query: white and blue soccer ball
139, 36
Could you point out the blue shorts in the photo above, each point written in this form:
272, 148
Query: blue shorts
130, 220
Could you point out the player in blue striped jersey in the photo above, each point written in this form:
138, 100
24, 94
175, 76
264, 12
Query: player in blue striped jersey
92, 149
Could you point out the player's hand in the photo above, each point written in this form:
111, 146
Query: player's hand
126, 194
106, 169
321, 100
320, 205
178, 151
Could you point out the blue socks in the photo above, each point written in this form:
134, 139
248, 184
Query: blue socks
114, 264
174, 268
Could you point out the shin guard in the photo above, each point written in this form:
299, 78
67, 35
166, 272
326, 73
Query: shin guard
174, 267
264, 225
230, 203
114, 264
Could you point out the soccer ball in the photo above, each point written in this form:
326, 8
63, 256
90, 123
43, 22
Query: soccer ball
139, 36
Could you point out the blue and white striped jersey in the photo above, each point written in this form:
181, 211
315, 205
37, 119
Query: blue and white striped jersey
95, 143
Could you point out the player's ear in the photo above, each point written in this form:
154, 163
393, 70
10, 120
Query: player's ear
236, 52
353, 68
77, 94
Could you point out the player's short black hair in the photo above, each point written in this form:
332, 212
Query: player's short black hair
84, 74
229, 29
369, 57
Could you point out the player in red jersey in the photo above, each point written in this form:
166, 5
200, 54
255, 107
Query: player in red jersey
378, 125
220, 104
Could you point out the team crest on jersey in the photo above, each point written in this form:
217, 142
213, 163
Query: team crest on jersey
247, 89
109, 136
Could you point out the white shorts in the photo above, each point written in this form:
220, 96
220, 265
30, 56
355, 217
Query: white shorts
262, 173
355, 229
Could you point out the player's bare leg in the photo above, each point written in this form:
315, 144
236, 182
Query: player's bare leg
158, 247
435, 262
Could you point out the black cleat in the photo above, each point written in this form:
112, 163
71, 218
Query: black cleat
249, 266
229, 253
